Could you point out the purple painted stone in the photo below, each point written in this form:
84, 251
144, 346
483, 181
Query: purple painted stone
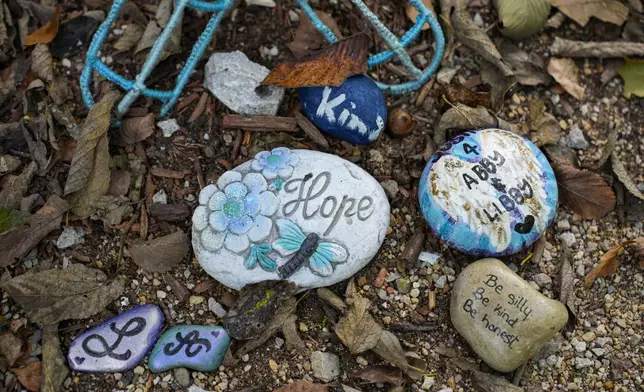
117, 344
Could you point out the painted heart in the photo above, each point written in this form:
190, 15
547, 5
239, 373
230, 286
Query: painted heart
79, 360
215, 333
526, 226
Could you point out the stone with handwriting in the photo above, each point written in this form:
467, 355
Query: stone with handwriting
199, 347
488, 193
501, 316
118, 344
306, 216
356, 111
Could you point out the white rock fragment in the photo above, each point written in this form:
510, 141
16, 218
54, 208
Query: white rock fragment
428, 258
216, 308
160, 197
326, 366
70, 237
234, 80
261, 3
168, 127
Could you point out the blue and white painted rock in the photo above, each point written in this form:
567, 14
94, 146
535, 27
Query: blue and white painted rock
199, 347
356, 111
306, 216
119, 343
488, 192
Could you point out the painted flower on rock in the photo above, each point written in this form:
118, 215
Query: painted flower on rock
235, 212
278, 162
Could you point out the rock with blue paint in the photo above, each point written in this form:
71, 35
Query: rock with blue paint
306, 216
198, 347
488, 192
356, 111
118, 344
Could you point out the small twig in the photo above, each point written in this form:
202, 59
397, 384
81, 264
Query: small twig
167, 173
412, 327
311, 130
199, 174
570, 48
259, 123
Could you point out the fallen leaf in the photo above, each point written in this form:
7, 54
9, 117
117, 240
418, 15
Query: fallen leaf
528, 68
566, 285
456, 93
565, 72
161, 254
289, 330
154, 28
485, 382
42, 62
10, 349
29, 376
119, 183
8, 82
303, 386
131, 36
204, 286
633, 74
55, 295
463, 117
54, 370
521, 19
381, 374
389, 348
357, 329
15, 243
35, 132
178, 288
307, 39
545, 127
329, 297
89, 173
612, 11
10, 218
137, 129
620, 171
583, 191
608, 263
329, 67
499, 84
46, 33
412, 12
14, 187
72, 36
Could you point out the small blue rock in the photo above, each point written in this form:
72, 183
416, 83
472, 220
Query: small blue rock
356, 111
488, 193
199, 347
117, 344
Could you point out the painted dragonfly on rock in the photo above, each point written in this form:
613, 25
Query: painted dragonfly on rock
320, 255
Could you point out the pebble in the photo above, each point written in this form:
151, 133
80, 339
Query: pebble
577, 140
216, 308
160, 197
414, 293
563, 225
273, 365
139, 370
362, 361
428, 383
326, 366
390, 187
542, 279
403, 285
70, 236
196, 300
161, 294
168, 127
182, 376
588, 336
568, 238
582, 363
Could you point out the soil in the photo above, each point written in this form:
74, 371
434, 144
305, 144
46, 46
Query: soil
203, 149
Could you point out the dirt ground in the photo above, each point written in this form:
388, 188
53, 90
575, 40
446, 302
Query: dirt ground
612, 308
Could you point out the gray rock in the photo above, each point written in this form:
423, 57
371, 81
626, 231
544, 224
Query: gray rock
8, 163
542, 279
390, 187
577, 140
70, 237
234, 80
160, 197
580, 347
216, 308
568, 238
403, 285
581, 363
168, 127
600, 352
501, 316
563, 225
182, 376
326, 366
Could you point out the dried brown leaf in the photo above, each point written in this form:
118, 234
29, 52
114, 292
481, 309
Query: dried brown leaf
10, 349
412, 13
456, 93
528, 68
329, 297
15, 243
46, 33
389, 348
381, 374
620, 171
463, 117
293, 340
545, 127
14, 187
29, 376
55, 295
329, 67
119, 183
583, 191
42, 62
131, 36
303, 386
54, 370
137, 129
180, 291
307, 39
566, 73
486, 382
612, 11
160, 254
357, 329
608, 263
